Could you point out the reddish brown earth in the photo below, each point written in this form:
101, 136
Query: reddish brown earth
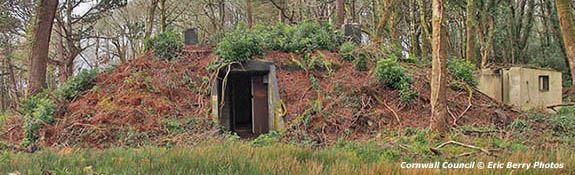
132, 104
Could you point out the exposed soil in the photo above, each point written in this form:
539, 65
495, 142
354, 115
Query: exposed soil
354, 106
144, 100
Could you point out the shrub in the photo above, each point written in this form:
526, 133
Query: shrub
37, 110
407, 93
563, 125
165, 45
241, 44
390, 74
361, 62
81, 82
268, 139
346, 51
462, 70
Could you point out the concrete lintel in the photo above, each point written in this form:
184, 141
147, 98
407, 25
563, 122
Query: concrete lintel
252, 66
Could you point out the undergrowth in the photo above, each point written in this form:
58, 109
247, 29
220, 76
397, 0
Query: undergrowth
242, 43
38, 110
462, 70
230, 155
165, 45
390, 74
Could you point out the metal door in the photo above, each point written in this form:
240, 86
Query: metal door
259, 105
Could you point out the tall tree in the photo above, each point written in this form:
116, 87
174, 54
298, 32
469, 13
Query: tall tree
470, 32
567, 22
425, 32
439, 118
163, 24
249, 11
45, 13
340, 13
150, 19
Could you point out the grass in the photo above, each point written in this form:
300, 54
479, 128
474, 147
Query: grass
531, 138
241, 157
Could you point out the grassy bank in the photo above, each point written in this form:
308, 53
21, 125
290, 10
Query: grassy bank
240, 157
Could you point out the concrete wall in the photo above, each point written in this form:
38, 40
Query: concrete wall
524, 91
490, 83
276, 121
519, 87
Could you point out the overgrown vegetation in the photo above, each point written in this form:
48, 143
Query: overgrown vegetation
360, 62
232, 156
390, 74
462, 70
77, 84
165, 45
346, 51
242, 43
38, 110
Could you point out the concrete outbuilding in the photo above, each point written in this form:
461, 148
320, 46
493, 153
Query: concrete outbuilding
522, 87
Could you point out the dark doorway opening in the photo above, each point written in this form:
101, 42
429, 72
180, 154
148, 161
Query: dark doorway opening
246, 103
241, 103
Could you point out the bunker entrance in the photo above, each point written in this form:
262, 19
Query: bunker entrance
240, 94
244, 106
245, 99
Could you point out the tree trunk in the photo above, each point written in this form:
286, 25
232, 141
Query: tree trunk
163, 24
439, 117
425, 33
567, 21
471, 22
414, 48
40, 44
151, 15
249, 11
13, 77
340, 13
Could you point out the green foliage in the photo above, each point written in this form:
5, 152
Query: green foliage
268, 139
346, 51
360, 62
308, 35
390, 74
79, 83
37, 110
368, 151
518, 125
406, 92
174, 126
165, 45
462, 70
241, 44
312, 62
563, 125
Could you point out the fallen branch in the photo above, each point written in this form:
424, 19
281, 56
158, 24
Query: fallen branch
552, 107
394, 113
470, 91
437, 152
467, 132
